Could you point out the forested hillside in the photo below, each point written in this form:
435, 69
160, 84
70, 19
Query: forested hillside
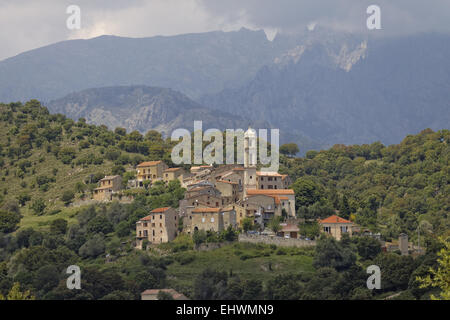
49, 161
389, 189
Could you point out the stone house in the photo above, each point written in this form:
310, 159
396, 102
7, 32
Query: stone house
228, 190
283, 198
212, 219
289, 231
150, 171
173, 174
159, 226
107, 187
336, 226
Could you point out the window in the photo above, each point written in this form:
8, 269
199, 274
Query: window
145, 224
145, 233
262, 186
160, 216
203, 220
327, 229
212, 219
344, 229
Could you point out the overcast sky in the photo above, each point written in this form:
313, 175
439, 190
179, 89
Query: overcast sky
27, 24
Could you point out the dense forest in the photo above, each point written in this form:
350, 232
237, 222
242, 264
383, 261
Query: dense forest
49, 161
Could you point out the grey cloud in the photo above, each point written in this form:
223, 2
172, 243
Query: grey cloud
27, 24
398, 16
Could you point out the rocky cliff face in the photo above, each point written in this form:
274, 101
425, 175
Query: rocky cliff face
142, 108
349, 90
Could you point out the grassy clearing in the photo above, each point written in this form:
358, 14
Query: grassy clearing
248, 261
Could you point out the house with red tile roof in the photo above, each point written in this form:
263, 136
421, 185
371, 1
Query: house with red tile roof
336, 226
285, 198
159, 226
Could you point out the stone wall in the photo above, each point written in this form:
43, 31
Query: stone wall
278, 241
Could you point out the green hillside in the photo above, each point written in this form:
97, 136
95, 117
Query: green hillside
43, 156
49, 162
388, 189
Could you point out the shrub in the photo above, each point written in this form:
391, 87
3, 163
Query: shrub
38, 206
67, 197
9, 221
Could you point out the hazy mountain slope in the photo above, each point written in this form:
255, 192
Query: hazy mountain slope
194, 64
350, 92
141, 108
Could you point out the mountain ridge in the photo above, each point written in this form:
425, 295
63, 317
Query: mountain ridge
141, 108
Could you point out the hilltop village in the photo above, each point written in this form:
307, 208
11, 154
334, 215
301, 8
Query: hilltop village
216, 198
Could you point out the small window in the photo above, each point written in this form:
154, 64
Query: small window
212, 219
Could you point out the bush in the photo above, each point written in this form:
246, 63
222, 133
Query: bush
58, 226
38, 206
67, 197
93, 247
9, 221
123, 229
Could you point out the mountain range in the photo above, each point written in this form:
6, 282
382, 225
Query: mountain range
318, 87
142, 108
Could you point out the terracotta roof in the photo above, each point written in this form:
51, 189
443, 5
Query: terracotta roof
284, 198
238, 169
172, 169
271, 192
277, 199
289, 228
160, 210
334, 219
148, 163
209, 210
